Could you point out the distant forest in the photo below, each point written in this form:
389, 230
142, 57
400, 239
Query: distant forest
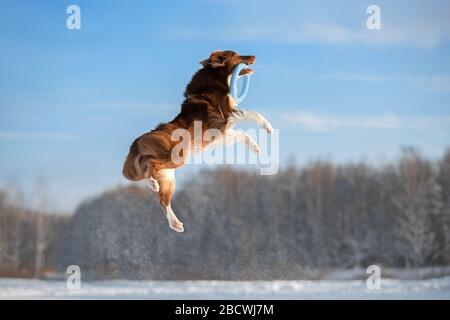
240, 225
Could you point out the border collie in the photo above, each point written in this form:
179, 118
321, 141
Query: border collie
207, 100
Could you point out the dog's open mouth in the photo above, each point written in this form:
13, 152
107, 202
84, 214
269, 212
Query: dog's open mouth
248, 60
246, 71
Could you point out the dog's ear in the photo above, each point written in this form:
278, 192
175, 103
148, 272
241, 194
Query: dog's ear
216, 59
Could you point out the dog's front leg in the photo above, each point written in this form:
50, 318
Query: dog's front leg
232, 136
241, 115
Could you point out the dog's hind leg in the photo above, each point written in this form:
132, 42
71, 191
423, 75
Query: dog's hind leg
149, 174
166, 180
153, 184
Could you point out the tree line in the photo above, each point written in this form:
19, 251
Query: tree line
240, 225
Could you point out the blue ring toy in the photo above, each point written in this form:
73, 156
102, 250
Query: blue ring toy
233, 83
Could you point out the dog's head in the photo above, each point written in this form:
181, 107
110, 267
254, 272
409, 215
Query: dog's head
228, 60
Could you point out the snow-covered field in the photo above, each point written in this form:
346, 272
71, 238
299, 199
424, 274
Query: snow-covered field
437, 288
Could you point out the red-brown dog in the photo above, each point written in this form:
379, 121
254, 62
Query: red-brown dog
207, 100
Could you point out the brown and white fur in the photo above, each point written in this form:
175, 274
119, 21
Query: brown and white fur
207, 100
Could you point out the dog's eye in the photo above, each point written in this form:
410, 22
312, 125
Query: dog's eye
220, 58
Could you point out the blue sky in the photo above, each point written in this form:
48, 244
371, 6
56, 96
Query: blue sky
73, 100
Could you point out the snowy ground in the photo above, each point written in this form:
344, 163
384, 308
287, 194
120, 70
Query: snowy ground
437, 288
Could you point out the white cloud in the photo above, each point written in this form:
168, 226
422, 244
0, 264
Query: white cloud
37, 136
353, 77
429, 123
321, 33
412, 23
437, 83
313, 122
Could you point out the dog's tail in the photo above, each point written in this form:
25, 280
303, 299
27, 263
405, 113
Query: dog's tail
132, 169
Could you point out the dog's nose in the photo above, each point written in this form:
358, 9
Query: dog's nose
249, 59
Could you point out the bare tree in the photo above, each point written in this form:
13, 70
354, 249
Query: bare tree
415, 213
41, 226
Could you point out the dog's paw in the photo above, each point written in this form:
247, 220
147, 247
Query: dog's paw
268, 127
153, 184
176, 225
254, 147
